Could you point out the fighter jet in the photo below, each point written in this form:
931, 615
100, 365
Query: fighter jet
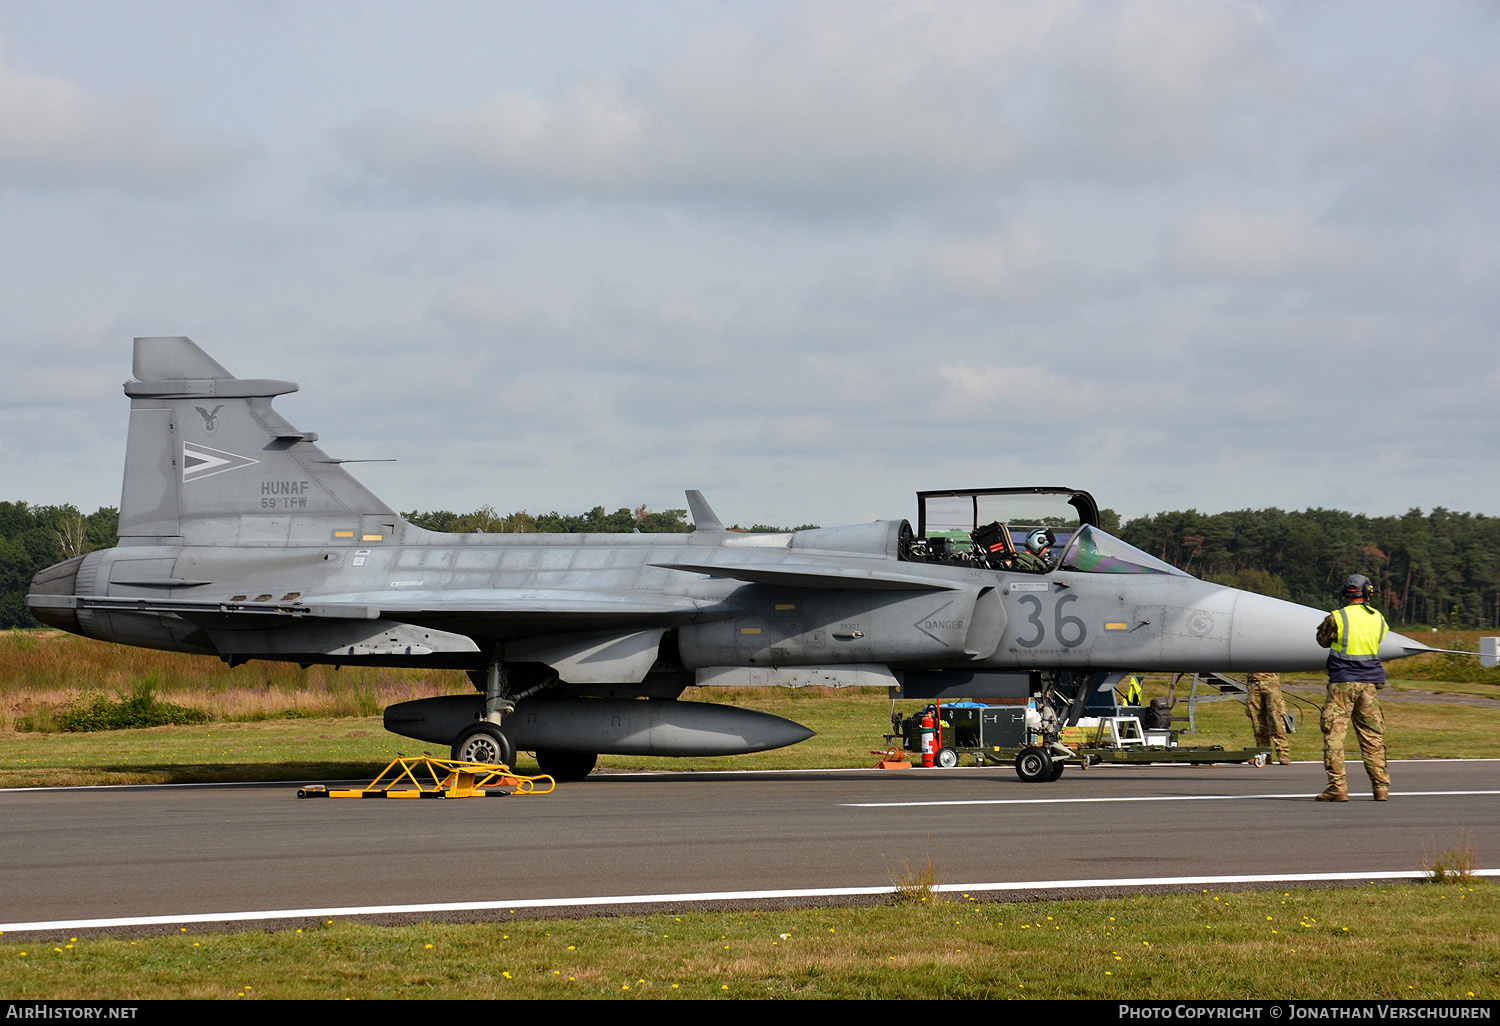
240, 538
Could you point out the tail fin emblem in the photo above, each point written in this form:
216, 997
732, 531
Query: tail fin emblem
201, 461
210, 420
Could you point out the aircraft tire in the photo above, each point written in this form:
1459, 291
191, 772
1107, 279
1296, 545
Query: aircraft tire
1057, 770
565, 766
945, 757
485, 743
1034, 765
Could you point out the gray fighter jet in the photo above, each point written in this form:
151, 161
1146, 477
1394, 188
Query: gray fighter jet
239, 538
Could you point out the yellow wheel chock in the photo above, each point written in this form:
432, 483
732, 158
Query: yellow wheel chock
439, 778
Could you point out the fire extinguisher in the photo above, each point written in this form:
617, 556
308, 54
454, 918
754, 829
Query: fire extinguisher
929, 731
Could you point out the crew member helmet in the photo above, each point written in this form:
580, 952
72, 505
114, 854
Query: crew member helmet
1039, 541
1358, 586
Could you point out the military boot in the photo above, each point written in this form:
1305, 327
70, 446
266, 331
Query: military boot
1333, 794
1284, 761
1382, 793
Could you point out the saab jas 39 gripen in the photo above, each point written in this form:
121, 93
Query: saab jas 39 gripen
239, 538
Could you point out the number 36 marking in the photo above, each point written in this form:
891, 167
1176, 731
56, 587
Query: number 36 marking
1069, 630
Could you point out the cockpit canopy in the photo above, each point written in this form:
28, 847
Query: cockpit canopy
1091, 551
953, 526
956, 514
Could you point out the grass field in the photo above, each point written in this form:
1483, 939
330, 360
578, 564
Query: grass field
1376, 941
43, 673
275, 721
849, 726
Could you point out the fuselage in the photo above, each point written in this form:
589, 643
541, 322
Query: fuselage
842, 596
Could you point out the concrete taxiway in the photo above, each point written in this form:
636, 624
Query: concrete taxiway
143, 855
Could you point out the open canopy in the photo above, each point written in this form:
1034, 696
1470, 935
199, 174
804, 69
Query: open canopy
956, 513
1091, 551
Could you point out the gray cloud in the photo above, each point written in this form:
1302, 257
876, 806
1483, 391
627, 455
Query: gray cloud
55, 135
831, 110
811, 256
843, 109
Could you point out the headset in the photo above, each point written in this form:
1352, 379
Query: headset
1358, 586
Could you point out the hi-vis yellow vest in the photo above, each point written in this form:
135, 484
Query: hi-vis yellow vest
1354, 654
1359, 633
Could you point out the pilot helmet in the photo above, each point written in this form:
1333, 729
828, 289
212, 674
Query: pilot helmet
1358, 586
1038, 540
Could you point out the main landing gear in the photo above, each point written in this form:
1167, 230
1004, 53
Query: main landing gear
485, 742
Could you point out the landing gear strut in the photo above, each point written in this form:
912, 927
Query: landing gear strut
486, 742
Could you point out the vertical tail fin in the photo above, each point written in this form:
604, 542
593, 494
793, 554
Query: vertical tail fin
208, 461
704, 517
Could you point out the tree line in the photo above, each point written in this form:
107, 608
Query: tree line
485, 520
32, 538
1437, 568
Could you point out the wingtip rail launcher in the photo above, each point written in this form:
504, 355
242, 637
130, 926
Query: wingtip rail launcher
423, 776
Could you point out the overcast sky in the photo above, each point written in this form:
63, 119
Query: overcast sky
807, 257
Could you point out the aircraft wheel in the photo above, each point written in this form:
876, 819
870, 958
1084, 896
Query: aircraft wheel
564, 766
485, 743
1057, 771
945, 757
1034, 765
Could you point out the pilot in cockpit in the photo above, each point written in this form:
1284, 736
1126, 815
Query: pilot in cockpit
1036, 558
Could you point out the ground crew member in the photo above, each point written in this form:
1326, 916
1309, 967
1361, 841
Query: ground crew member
1267, 712
1131, 688
1034, 559
1352, 636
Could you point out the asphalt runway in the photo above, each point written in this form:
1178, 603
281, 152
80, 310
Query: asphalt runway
150, 853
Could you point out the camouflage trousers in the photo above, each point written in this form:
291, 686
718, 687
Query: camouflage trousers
1353, 702
1267, 711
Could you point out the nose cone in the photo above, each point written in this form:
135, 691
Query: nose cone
1273, 636
1398, 646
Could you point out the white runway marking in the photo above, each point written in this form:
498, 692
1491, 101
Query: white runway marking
1353, 795
657, 774
708, 896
